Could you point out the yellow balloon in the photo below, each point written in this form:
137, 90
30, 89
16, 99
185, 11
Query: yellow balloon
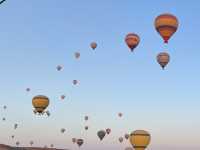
40, 103
140, 139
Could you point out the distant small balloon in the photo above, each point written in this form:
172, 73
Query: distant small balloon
51, 145
75, 82
62, 130
4, 107
28, 89
77, 55
132, 40
31, 143
79, 142
101, 134
93, 45
59, 67
86, 127
62, 97
120, 114
163, 59
108, 130
126, 136
86, 118
74, 140
121, 139
12, 136
15, 126
17, 143
4, 119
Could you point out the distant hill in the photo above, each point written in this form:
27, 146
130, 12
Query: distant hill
7, 147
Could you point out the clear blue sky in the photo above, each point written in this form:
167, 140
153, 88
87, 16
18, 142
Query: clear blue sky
37, 35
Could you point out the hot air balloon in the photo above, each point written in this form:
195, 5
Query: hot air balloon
108, 130
166, 25
93, 45
75, 82
28, 89
77, 55
59, 67
120, 139
74, 140
62, 97
163, 59
86, 118
132, 40
79, 142
86, 127
17, 143
40, 103
126, 136
140, 139
62, 130
101, 134
51, 145
12, 136
128, 148
4, 107
15, 126
31, 143
120, 114
4, 119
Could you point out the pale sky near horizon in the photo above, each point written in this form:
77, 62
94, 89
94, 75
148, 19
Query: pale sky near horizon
36, 36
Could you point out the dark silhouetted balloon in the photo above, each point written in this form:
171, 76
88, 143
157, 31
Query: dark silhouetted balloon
108, 130
62, 97
15, 126
74, 140
75, 82
86, 118
28, 89
59, 67
62, 130
126, 136
120, 114
120, 139
101, 134
79, 142
86, 127
77, 55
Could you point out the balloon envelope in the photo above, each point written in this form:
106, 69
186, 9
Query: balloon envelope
101, 134
121, 139
166, 25
93, 45
79, 142
40, 103
163, 59
108, 130
132, 40
140, 139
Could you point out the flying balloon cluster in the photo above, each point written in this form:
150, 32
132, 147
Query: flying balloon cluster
166, 25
